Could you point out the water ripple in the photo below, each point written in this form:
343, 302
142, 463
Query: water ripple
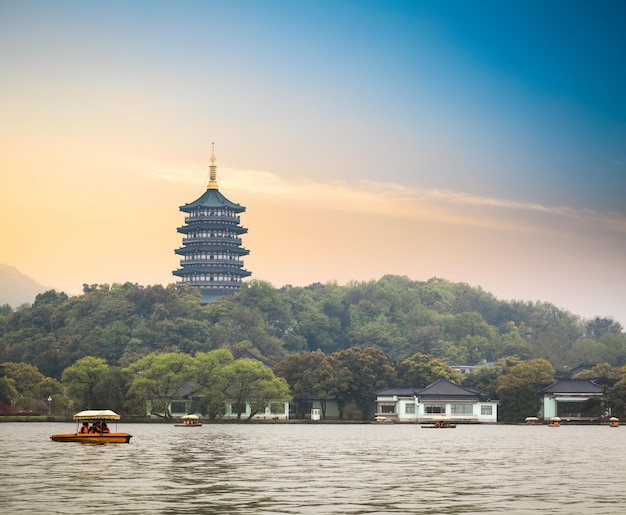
310, 469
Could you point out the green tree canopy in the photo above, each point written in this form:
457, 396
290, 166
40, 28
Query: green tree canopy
518, 389
159, 378
250, 381
370, 370
8, 393
423, 369
81, 380
211, 379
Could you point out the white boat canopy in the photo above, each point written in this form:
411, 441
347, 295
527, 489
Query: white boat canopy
190, 417
100, 414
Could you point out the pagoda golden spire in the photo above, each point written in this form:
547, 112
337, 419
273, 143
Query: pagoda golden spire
212, 170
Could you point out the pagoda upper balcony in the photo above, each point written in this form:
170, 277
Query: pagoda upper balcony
203, 226
228, 283
216, 262
213, 239
213, 218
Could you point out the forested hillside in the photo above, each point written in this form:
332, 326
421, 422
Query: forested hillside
122, 323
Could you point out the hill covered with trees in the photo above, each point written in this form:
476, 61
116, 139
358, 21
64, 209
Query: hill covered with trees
127, 346
121, 323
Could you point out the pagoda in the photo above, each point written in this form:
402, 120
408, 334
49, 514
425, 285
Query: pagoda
211, 252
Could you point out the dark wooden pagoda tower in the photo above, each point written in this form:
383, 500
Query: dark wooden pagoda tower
211, 252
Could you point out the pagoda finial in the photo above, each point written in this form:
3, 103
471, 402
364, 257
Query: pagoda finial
212, 170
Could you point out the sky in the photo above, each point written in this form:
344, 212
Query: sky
481, 142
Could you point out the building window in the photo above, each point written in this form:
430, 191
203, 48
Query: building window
409, 408
486, 410
238, 408
178, 407
462, 409
433, 409
277, 407
387, 409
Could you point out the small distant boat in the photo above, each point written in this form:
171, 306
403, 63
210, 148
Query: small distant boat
531, 421
442, 423
554, 422
98, 432
614, 422
190, 421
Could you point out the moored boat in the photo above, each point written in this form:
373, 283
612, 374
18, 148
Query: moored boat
99, 432
190, 421
441, 423
554, 422
614, 422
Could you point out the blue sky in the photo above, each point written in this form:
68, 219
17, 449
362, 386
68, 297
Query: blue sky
492, 135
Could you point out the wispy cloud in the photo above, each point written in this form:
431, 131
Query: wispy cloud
392, 199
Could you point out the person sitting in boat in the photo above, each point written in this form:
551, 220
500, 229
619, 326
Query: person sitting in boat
105, 428
84, 428
95, 428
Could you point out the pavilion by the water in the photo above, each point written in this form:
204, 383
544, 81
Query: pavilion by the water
211, 255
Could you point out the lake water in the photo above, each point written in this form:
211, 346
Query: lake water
325, 469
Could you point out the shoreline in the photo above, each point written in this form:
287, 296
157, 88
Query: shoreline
143, 420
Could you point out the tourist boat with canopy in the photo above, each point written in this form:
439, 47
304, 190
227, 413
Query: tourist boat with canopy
98, 432
190, 421
614, 422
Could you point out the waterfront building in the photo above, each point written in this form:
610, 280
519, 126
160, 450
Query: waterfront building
440, 399
576, 400
212, 252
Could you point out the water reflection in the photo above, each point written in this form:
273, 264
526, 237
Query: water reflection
342, 469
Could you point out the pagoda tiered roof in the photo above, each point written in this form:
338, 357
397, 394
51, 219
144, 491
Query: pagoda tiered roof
232, 270
233, 249
211, 225
212, 198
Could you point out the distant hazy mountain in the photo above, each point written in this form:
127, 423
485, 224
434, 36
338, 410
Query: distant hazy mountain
16, 288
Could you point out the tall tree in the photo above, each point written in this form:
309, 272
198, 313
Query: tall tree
619, 399
518, 389
483, 378
8, 393
370, 370
423, 369
298, 370
81, 380
329, 379
159, 378
211, 379
251, 382
32, 386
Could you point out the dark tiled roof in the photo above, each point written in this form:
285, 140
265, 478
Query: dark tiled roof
439, 389
213, 198
211, 247
573, 386
400, 391
444, 388
245, 354
211, 268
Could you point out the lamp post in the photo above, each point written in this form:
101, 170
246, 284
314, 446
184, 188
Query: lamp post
49, 404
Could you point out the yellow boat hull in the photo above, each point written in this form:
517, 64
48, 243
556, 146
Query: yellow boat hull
92, 438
